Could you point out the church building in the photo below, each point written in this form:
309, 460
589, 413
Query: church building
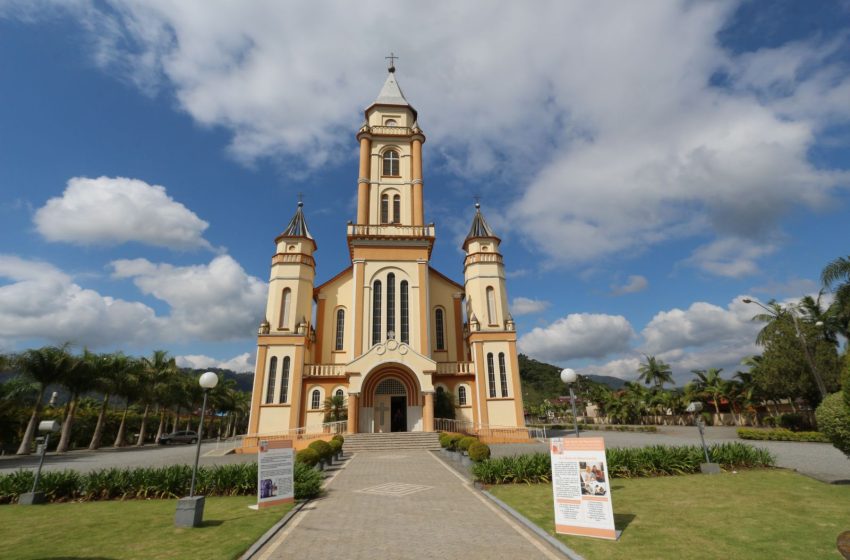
389, 331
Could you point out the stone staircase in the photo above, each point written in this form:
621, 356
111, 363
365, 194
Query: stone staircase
391, 441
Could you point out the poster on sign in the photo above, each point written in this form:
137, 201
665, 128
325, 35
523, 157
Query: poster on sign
276, 461
580, 484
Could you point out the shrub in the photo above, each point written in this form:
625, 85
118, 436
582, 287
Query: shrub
794, 422
339, 438
781, 434
336, 446
307, 481
308, 456
833, 416
479, 451
322, 448
454, 440
465, 442
445, 440
657, 460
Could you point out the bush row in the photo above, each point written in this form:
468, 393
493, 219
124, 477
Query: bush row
475, 449
781, 434
149, 483
617, 428
657, 460
320, 450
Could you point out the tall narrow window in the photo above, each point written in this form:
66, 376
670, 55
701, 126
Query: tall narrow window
461, 396
391, 162
491, 375
340, 329
316, 399
376, 312
284, 381
284, 308
385, 209
390, 303
503, 375
491, 305
396, 209
405, 316
438, 325
271, 381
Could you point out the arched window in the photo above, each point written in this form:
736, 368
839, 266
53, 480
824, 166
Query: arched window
376, 312
339, 393
491, 375
440, 389
503, 375
491, 305
391, 163
385, 208
396, 209
390, 303
405, 316
271, 380
391, 122
284, 381
284, 308
461, 396
340, 329
316, 399
439, 326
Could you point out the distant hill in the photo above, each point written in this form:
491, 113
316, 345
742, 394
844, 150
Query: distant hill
244, 381
612, 382
541, 381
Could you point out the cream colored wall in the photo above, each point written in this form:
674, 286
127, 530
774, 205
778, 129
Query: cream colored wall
378, 116
299, 279
338, 293
441, 294
496, 348
502, 413
479, 276
403, 270
274, 418
279, 352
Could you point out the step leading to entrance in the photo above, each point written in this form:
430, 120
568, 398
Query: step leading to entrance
392, 440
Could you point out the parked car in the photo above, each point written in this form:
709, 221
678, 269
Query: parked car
185, 436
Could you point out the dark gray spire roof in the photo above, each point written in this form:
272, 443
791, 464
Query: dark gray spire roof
297, 225
479, 225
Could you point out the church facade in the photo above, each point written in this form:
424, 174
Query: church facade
388, 332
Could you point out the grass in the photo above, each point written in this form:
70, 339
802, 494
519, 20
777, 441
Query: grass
132, 529
752, 514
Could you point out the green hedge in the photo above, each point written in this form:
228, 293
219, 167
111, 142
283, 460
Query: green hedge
657, 460
781, 434
148, 483
618, 428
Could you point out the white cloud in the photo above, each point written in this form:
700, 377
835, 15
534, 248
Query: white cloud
243, 363
115, 210
42, 302
635, 283
792, 287
701, 324
730, 257
578, 335
527, 306
624, 368
217, 301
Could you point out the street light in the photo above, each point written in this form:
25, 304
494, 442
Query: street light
791, 311
190, 510
569, 376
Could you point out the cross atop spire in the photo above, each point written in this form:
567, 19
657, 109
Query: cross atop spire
391, 58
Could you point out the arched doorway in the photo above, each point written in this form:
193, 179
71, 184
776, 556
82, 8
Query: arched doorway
391, 402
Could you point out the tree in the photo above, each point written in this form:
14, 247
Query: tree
127, 386
335, 408
655, 372
155, 371
710, 384
77, 379
44, 366
107, 370
836, 278
444, 405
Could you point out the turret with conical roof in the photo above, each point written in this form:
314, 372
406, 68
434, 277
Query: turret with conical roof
484, 275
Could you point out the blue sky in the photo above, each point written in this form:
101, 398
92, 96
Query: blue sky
647, 164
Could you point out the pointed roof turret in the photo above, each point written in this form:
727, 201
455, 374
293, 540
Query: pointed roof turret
479, 226
391, 94
297, 226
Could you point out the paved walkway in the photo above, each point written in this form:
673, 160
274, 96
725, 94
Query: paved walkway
402, 505
817, 460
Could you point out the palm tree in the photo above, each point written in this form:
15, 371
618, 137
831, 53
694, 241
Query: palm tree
45, 366
335, 408
77, 379
155, 371
709, 383
127, 385
107, 369
655, 371
836, 276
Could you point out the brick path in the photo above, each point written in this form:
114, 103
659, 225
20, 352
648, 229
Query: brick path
402, 504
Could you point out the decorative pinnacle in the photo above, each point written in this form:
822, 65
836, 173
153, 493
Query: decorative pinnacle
300, 200
391, 58
477, 200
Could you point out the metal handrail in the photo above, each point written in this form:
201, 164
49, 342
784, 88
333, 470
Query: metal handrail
479, 429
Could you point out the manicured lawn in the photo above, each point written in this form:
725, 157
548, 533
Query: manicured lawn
132, 529
751, 514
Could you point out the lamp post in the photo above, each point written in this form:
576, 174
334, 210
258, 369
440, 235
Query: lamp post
190, 510
569, 376
791, 311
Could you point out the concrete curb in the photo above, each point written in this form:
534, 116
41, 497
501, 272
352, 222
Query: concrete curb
267, 536
553, 542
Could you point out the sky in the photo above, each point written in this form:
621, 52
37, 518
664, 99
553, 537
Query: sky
647, 165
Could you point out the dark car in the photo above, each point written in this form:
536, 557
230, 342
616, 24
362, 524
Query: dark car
185, 436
